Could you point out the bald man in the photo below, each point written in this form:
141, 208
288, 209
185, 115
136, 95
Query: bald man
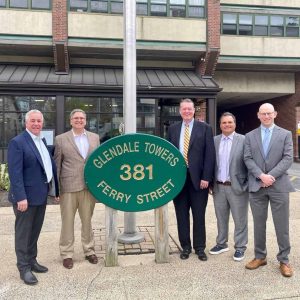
268, 155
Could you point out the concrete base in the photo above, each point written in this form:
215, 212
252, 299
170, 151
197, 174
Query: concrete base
131, 238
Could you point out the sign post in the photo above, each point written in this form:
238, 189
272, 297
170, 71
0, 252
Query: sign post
130, 235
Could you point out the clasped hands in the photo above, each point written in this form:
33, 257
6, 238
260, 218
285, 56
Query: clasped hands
266, 180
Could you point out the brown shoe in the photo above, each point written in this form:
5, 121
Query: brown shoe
256, 263
92, 259
286, 270
68, 263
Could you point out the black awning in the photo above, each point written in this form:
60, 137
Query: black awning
154, 82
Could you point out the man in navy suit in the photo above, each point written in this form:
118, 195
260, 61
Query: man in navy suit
31, 169
200, 159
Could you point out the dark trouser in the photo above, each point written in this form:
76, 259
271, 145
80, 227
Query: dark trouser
197, 201
28, 226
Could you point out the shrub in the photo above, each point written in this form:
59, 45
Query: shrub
4, 179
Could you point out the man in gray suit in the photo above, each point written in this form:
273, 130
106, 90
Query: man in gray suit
230, 188
72, 149
268, 155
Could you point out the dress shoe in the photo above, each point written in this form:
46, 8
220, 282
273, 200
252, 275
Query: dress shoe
256, 263
286, 270
92, 259
185, 254
201, 255
29, 278
37, 268
68, 263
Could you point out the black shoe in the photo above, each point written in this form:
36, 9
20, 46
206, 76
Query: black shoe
29, 278
185, 254
37, 268
201, 255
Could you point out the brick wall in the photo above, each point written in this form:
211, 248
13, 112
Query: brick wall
208, 63
60, 35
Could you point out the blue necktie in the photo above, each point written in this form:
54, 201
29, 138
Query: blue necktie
266, 141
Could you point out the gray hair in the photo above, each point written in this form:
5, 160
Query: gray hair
74, 111
31, 112
187, 100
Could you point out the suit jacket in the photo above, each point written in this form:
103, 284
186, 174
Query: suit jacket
278, 160
201, 153
237, 168
28, 179
70, 163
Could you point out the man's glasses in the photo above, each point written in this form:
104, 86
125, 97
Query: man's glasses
267, 114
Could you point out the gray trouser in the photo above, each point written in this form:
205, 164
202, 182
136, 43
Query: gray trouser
279, 202
225, 200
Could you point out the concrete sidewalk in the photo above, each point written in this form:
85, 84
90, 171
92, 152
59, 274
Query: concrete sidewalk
138, 276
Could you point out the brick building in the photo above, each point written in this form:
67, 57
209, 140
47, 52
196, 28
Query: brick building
227, 55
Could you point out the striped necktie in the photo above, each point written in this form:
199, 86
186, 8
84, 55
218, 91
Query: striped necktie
186, 142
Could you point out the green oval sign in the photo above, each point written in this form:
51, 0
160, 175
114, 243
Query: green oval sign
135, 172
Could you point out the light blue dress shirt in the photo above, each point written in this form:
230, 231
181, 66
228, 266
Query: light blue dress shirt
181, 141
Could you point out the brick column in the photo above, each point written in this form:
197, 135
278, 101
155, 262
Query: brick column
60, 36
208, 63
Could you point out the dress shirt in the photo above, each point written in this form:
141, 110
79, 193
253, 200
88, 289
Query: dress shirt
38, 141
263, 131
224, 155
82, 143
181, 141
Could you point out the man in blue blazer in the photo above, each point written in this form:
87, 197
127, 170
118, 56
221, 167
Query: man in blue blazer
31, 169
199, 153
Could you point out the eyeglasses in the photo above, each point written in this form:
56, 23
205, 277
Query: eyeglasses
267, 114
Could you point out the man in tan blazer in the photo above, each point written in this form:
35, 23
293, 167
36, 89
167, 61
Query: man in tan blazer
71, 152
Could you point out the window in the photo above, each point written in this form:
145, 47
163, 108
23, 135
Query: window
14, 109
277, 28
229, 24
40, 4
261, 25
142, 7
2, 3
292, 26
116, 6
245, 25
196, 8
99, 6
105, 114
78, 5
177, 8
18, 3
158, 8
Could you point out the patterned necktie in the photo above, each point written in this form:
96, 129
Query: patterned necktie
186, 143
266, 141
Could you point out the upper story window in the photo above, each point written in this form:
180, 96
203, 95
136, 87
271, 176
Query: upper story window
229, 23
260, 25
27, 4
163, 8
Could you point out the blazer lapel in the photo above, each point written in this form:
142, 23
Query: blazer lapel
33, 148
274, 137
217, 146
177, 129
71, 140
257, 134
193, 135
235, 142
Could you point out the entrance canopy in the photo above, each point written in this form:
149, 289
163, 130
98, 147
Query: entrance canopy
150, 82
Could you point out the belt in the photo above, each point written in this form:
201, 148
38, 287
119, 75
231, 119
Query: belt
224, 183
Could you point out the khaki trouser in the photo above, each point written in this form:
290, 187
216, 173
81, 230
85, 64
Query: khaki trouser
69, 203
